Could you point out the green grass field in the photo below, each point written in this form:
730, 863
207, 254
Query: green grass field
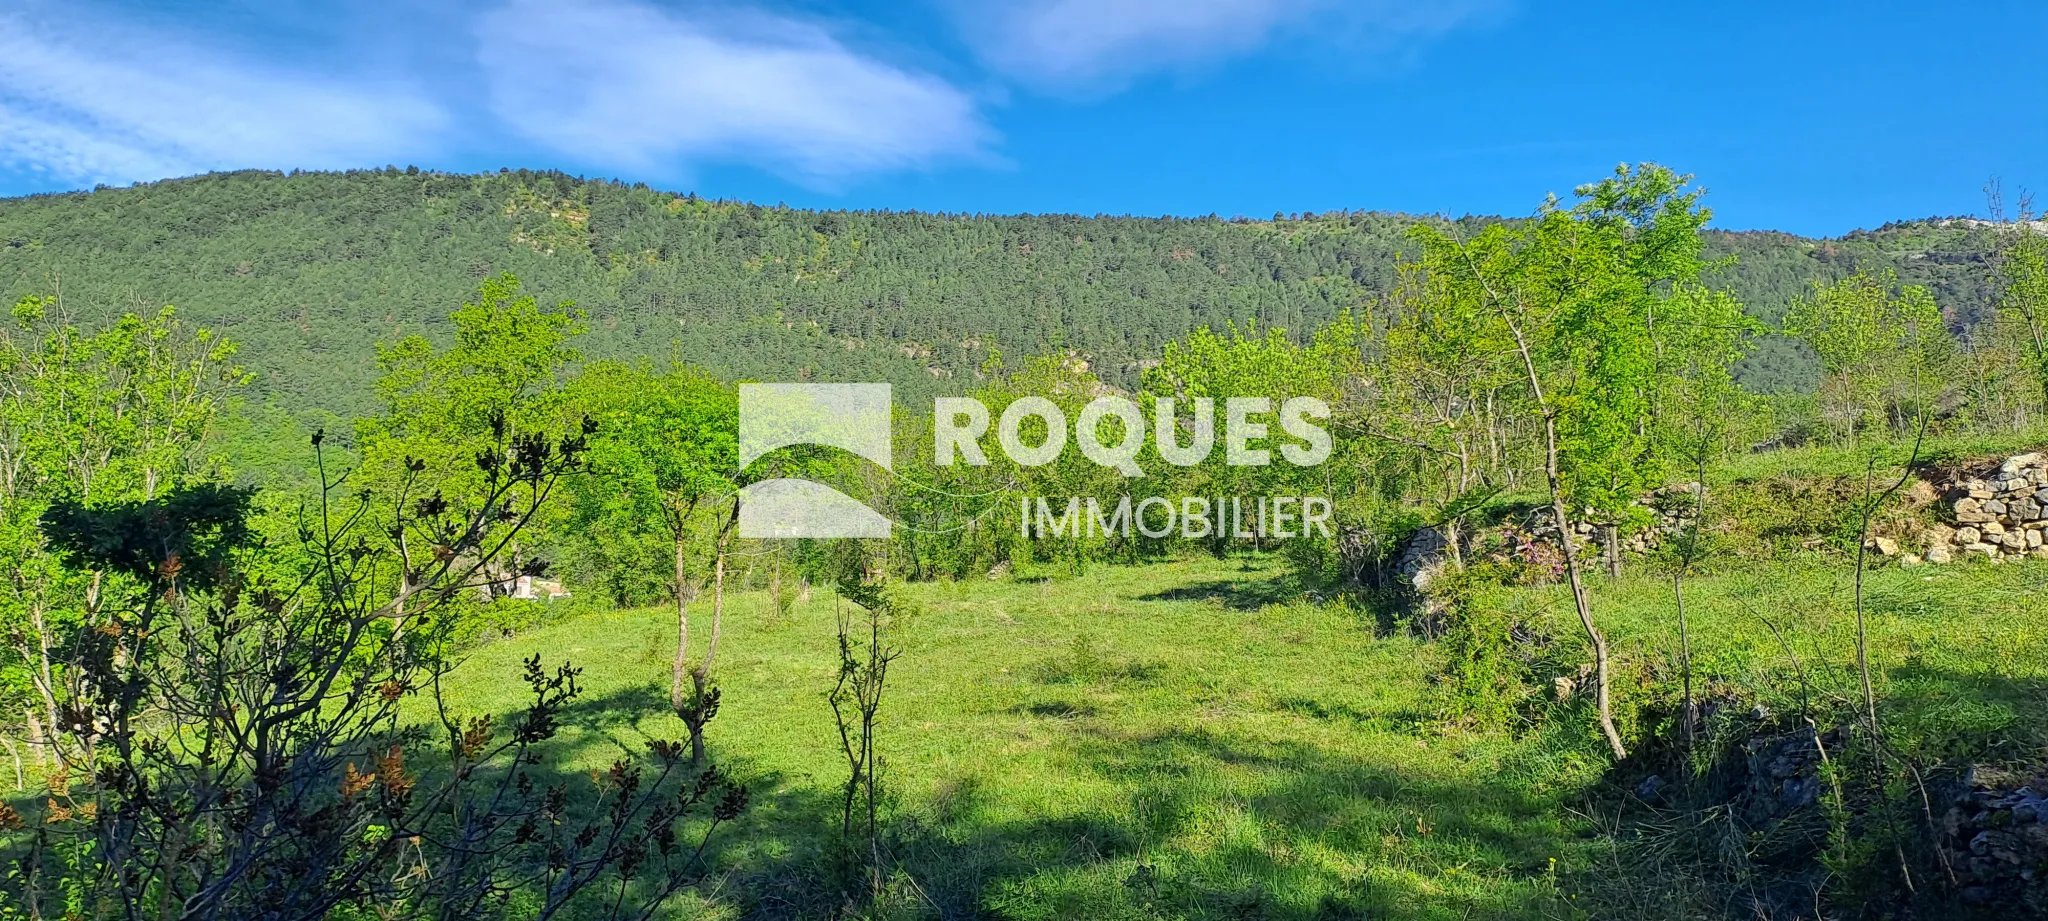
1196, 739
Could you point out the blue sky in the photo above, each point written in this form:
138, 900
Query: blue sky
1813, 117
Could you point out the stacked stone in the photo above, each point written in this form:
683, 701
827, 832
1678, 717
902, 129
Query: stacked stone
2002, 516
1997, 840
1671, 507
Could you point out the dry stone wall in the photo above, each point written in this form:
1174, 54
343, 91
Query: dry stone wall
2000, 515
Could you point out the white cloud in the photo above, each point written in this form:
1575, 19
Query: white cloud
1098, 45
91, 94
627, 85
131, 104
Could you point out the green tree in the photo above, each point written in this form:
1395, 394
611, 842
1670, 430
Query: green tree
502, 378
1066, 384
1213, 368
90, 416
2023, 307
1705, 415
1877, 341
263, 746
1583, 300
664, 464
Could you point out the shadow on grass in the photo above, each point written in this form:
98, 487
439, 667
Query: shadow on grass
1203, 826
1404, 720
1055, 709
615, 717
1235, 594
1949, 714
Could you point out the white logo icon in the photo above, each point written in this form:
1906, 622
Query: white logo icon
851, 417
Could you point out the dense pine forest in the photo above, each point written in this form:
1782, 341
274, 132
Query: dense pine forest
306, 270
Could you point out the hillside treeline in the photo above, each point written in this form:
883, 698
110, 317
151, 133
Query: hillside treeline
307, 270
232, 694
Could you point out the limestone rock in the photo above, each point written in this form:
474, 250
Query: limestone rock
2018, 462
1939, 554
1421, 557
1966, 536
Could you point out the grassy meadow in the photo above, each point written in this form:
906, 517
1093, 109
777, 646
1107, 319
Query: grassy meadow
239, 594
1195, 739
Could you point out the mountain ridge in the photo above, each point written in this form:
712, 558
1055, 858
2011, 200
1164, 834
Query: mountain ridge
309, 269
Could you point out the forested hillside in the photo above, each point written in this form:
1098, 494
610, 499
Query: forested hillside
1522, 608
307, 271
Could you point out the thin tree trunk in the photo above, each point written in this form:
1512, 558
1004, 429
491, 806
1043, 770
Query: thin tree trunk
1689, 711
1580, 599
38, 739
717, 611
1862, 554
20, 781
45, 682
1583, 603
679, 671
398, 610
700, 677
1610, 534
867, 735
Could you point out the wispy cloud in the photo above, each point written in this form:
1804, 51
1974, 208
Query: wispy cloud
99, 101
628, 84
95, 94
1094, 46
